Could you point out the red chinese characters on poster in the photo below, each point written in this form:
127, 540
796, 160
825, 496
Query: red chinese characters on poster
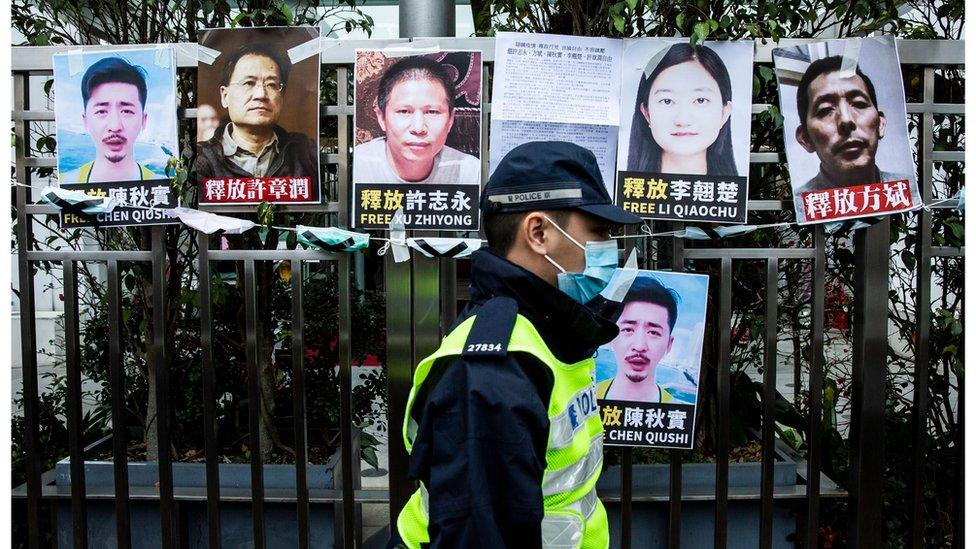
844, 202
249, 190
845, 128
257, 124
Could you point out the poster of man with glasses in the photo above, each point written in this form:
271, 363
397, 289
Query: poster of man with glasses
263, 85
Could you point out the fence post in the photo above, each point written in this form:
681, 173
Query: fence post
871, 251
28, 322
412, 297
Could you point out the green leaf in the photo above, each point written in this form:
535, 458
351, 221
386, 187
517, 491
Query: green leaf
287, 12
265, 213
908, 257
766, 73
618, 23
699, 33
957, 228
632, 4
366, 439
369, 456
679, 21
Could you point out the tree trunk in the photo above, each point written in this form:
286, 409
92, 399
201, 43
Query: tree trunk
266, 383
267, 434
150, 434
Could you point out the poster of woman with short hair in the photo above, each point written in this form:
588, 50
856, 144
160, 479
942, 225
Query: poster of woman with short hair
115, 114
845, 127
258, 115
685, 120
418, 139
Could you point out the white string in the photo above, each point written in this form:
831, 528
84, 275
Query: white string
390, 242
928, 207
644, 228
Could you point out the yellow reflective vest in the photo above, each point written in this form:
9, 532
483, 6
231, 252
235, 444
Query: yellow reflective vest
574, 516
84, 173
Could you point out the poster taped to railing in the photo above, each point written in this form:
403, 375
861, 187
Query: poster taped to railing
647, 377
846, 129
418, 139
115, 118
556, 88
258, 116
683, 151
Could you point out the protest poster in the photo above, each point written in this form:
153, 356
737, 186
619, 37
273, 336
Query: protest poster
115, 119
846, 129
258, 102
151, 204
683, 151
556, 88
647, 377
418, 139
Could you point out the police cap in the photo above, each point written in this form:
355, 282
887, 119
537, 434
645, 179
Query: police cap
550, 175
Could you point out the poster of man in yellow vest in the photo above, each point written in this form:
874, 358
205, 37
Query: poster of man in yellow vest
116, 132
647, 377
116, 115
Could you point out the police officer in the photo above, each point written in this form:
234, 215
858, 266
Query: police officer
501, 423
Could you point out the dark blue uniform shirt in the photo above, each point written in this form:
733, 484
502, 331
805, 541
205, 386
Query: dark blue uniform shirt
483, 422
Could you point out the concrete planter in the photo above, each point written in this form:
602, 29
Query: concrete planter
650, 505
281, 518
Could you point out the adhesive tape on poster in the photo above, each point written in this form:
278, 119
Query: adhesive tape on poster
398, 237
412, 48
620, 284
631, 260
848, 63
164, 54
187, 50
76, 63
314, 46
658, 50
207, 55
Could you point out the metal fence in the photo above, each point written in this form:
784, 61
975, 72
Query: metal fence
421, 301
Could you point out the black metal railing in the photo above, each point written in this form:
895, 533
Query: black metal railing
421, 301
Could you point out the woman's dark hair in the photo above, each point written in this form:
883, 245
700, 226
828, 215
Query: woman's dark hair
414, 68
113, 69
644, 154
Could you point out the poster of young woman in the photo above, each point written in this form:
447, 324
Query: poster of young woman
418, 139
116, 129
258, 106
685, 120
647, 377
845, 127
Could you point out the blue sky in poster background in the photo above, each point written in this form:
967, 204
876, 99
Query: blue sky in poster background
684, 360
75, 147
